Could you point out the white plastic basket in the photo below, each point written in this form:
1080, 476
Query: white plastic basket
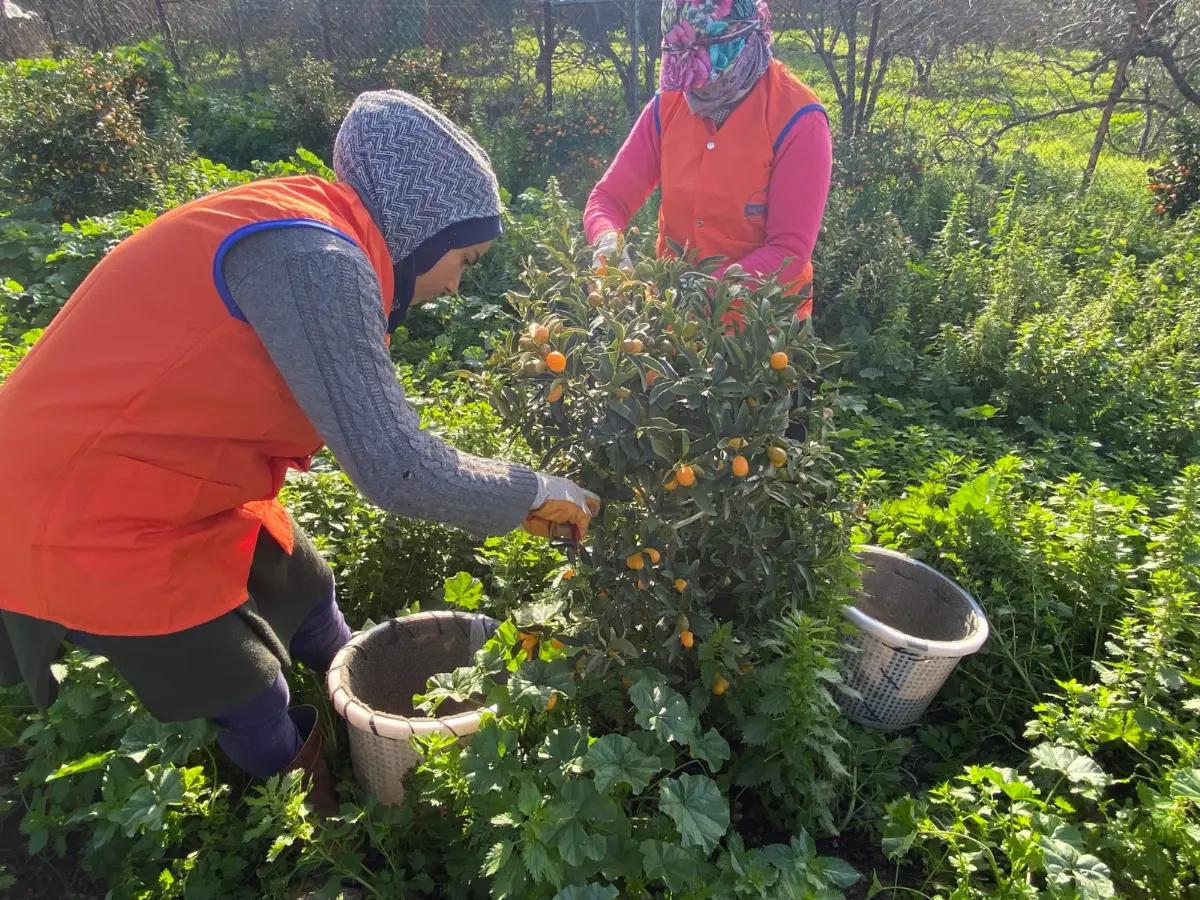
913, 625
372, 682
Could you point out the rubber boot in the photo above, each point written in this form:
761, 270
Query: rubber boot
311, 761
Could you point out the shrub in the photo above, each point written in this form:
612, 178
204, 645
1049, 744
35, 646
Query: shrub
92, 134
308, 108
574, 143
691, 632
1175, 187
420, 73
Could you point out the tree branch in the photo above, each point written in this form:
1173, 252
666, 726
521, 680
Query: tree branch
1166, 55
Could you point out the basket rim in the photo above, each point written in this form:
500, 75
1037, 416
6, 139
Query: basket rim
389, 725
897, 639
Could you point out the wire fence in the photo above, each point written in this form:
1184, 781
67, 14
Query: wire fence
552, 42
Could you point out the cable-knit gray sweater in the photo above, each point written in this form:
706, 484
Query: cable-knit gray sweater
314, 301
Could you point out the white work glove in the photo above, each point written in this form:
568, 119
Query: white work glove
559, 505
612, 248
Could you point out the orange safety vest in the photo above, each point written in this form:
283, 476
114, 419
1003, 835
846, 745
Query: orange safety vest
145, 437
714, 182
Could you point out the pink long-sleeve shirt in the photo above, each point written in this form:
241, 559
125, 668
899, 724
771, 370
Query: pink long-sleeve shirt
796, 193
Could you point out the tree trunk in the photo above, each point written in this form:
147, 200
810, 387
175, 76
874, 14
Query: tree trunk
546, 58
653, 51
1147, 125
850, 103
327, 32
168, 36
865, 93
239, 38
635, 39
8, 46
105, 28
50, 22
1136, 23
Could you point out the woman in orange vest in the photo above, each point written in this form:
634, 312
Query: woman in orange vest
740, 147
145, 437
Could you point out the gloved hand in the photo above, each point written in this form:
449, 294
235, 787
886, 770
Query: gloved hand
560, 504
612, 248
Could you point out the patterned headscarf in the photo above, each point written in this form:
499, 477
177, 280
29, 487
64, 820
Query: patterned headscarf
417, 172
714, 50
427, 184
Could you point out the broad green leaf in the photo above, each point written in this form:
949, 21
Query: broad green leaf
1186, 783
463, 591
588, 892
533, 683
673, 864
836, 871
699, 810
712, 748
147, 806
1079, 768
615, 760
85, 764
663, 711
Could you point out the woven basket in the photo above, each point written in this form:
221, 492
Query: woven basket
913, 625
372, 682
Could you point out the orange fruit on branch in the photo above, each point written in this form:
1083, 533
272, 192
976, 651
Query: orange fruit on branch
778, 456
540, 333
654, 555
636, 562
556, 394
631, 345
555, 361
719, 685
740, 467
687, 639
552, 703
680, 585
652, 375
685, 475
779, 360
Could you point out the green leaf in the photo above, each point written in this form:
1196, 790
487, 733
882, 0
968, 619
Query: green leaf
1186, 783
699, 810
497, 856
676, 866
463, 591
85, 764
712, 748
837, 871
533, 683
615, 760
663, 711
1079, 768
146, 807
539, 865
1067, 864
588, 892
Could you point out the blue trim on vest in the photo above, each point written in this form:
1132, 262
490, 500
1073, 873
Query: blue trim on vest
254, 228
800, 113
657, 119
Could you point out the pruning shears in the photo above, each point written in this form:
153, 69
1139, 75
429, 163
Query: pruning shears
566, 537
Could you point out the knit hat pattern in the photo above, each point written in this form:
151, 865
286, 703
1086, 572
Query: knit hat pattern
416, 171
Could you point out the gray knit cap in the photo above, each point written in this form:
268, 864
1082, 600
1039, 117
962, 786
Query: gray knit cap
416, 171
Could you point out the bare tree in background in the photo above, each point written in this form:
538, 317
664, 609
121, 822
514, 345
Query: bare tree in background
857, 41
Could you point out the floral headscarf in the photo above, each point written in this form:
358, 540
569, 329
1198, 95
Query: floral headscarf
714, 50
